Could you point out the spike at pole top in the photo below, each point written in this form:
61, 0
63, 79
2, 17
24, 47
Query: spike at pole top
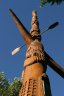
34, 13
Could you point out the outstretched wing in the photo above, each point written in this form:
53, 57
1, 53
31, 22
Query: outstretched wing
54, 65
25, 34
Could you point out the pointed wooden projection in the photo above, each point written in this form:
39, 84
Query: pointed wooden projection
35, 81
26, 36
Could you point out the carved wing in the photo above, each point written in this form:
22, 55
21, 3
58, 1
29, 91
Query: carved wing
54, 65
25, 34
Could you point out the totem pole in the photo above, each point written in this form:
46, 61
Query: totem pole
35, 81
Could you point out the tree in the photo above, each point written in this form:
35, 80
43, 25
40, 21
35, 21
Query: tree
4, 84
7, 88
15, 87
51, 2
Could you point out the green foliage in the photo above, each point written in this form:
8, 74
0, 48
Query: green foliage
4, 84
9, 89
50, 1
15, 87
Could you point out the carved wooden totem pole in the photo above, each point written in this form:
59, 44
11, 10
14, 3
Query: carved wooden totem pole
35, 81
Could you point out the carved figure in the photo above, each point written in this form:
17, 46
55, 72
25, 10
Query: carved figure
35, 81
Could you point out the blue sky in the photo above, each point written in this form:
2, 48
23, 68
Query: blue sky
10, 38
